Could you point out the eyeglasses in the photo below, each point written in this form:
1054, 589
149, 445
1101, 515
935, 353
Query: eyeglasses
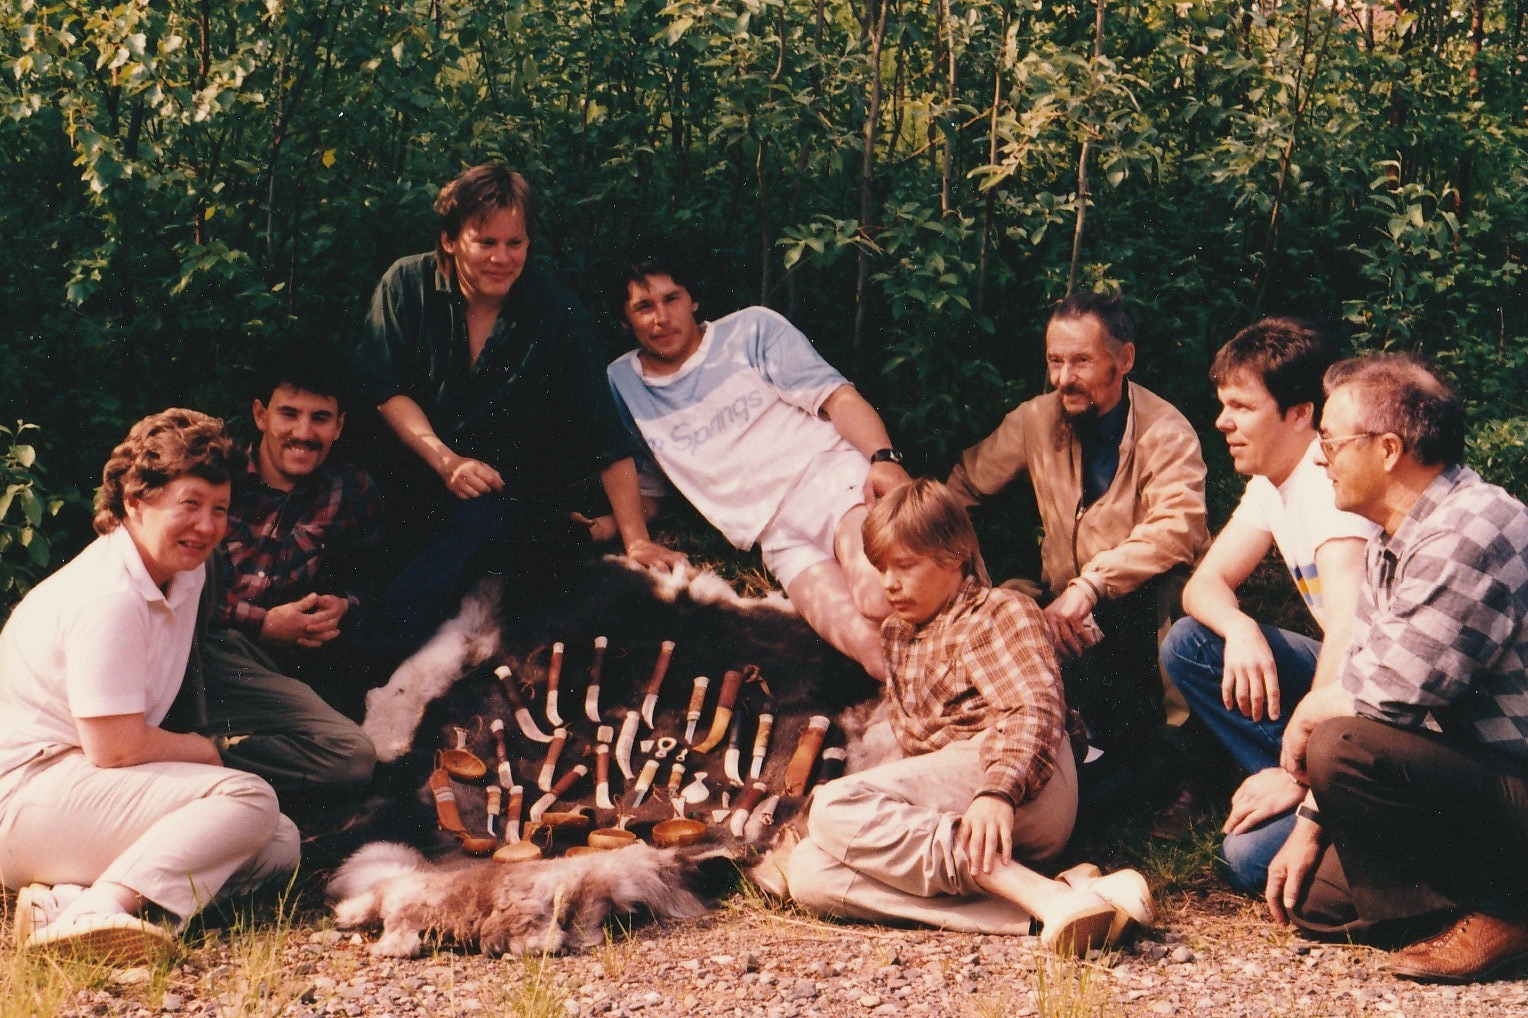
1331, 445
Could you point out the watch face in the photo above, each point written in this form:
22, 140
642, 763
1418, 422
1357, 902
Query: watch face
886, 456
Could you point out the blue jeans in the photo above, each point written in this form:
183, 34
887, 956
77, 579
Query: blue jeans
1245, 857
1194, 658
468, 537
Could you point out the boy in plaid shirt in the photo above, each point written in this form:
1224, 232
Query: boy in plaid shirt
946, 836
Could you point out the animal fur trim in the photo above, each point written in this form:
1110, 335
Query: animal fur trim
393, 711
516, 908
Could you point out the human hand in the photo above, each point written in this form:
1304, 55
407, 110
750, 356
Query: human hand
310, 621
1291, 869
1250, 682
882, 478
601, 528
652, 555
1268, 793
469, 478
986, 833
1067, 616
1319, 705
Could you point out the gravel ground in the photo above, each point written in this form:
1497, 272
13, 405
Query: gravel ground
1212, 954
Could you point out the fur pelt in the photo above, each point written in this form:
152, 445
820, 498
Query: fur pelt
521, 908
451, 682
462, 643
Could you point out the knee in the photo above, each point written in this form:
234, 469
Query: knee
1335, 747
832, 805
257, 796
355, 758
1184, 645
343, 756
1244, 859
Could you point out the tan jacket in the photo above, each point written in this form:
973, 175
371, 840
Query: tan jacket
1151, 519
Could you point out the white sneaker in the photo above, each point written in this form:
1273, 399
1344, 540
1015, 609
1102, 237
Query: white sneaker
116, 939
37, 905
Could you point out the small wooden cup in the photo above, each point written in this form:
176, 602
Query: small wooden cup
678, 832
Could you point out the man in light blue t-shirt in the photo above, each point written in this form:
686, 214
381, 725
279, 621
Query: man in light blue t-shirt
767, 441
1241, 677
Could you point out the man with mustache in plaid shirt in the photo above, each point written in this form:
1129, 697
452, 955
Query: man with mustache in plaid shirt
301, 527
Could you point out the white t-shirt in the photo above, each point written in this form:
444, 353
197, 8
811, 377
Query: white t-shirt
97, 638
738, 424
1302, 515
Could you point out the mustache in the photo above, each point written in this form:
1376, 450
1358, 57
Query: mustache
297, 443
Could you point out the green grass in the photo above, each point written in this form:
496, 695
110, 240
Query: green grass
1063, 988
530, 990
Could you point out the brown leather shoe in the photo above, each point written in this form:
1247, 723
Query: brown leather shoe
1189, 805
1474, 948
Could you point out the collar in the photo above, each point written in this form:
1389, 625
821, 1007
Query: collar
1110, 428
252, 472
688, 367
1437, 491
185, 588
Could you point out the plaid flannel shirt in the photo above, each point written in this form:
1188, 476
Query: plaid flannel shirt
985, 661
1442, 624
284, 545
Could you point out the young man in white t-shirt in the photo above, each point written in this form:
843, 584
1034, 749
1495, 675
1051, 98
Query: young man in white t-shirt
1241, 677
767, 441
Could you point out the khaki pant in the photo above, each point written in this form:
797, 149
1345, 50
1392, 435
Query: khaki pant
881, 844
177, 833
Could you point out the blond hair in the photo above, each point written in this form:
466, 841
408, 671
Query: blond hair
924, 517
156, 451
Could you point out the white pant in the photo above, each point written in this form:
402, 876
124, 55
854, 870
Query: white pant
881, 844
176, 833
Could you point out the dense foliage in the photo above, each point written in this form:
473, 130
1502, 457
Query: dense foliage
184, 180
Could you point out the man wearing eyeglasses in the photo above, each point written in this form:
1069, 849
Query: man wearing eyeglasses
1417, 757
1241, 677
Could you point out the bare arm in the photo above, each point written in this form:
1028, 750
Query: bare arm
123, 740
1250, 682
630, 510
1340, 564
856, 420
464, 477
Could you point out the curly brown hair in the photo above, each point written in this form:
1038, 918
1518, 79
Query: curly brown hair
157, 450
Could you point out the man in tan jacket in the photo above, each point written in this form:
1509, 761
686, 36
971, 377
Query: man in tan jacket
1119, 480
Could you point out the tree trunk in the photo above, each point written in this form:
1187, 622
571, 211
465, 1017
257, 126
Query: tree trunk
1082, 162
867, 179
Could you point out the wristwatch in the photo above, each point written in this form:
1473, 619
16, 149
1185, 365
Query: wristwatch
886, 455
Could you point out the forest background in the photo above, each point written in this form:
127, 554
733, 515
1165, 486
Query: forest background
183, 183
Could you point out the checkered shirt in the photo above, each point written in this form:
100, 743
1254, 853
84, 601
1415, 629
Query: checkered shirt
1442, 625
284, 545
985, 661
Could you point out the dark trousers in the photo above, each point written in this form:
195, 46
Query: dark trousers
1419, 826
1117, 684
502, 532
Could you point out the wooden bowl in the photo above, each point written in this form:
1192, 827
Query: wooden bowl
678, 832
462, 764
611, 837
582, 850
518, 851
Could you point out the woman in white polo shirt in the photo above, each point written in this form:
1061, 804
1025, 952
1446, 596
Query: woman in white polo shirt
103, 813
